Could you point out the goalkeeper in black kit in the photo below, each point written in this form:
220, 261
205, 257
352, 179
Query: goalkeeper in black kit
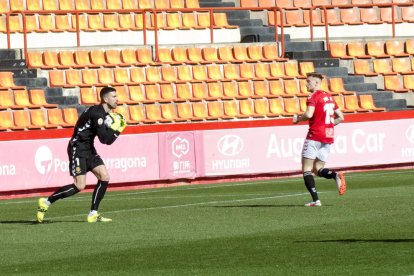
96, 121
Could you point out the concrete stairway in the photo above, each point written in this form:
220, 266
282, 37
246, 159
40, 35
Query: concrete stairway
314, 52
251, 30
13, 61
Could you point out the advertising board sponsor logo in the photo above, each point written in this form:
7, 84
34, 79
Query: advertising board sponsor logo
43, 159
230, 145
180, 147
409, 133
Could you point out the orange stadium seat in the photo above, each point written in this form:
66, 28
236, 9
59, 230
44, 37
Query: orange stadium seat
363, 67
260, 89
144, 56
38, 118
7, 100
66, 59
47, 23
168, 112
82, 4
189, 21
350, 16
370, 16
88, 96
129, 4
215, 91
173, 21
22, 120
21, 98
383, 66
97, 4
214, 72
184, 111
408, 81
200, 73
137, 75
230, 90
402, 66
66, 5
276, 107
167, 93
395, 48
35, 59
168, 73
136, 93
240, 53
55, 117
111, 22
210, 55
70, 115
82, 58
352, 103
220, 21
276, 88
113, 58
376, 49
153, 113
184, 73
195, 55
152, 93
367, 102
184, 92
105, 76
295, 18
179, 55
244, 89
225, 54
215, 110
246, 71
247, 109
262, 71
33, 5
316, 17
6, 120
38, 98
89, 77
137, 114
17, 5
291, 106
199, 91
394, 83
121, 76
407, 14
7, 81
386, 15
231, 110
231, 72
336, 85
261, 107
114, 4
332, 17
62, 23
357, 49
97, 57
57, 78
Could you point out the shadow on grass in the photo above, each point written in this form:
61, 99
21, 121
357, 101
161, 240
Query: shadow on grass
254, 206
33, 222
361, 241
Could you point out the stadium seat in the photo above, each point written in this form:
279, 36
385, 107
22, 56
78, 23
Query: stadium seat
6, 120
367, 102
262, 70
97, 4
260, 89
184, 111
7, 100
82, 4
247, 109
47, 23
184, 92
88, 96
167, 93
407, 14
35, 59
168, 73
199, 73
357, 49
316, 17
214, 72
386, 15
17, 5
276, 108
66, 5
215, 91
246, 71
22, 120
168, 112
137, 75
153, 74
89, 77
179, 55
292, 70
195, 55
395, 48
352, 103
376, 49
244, 89
261, 107
255, 53
199, 91
55, 117
402, 66
38, 98
363, 67
231, 110
277, 70
70, 115
408, 81
370, 16
57, 78
97, 57
231, 72
153, 113
174, 22
189, 21
33, 5
152, 93
225, 54
200, 111
394, 83
383, 66
136, 114
184, 73
114, 4
291, 106
164, 56
339, 50
137, 94
66, 59
51, 60
332, 17
306, 67
38, 118
220, 21
21, 98
240, 53
7, 82
249, 3
276, 88
121, 76
215, 110
292, 88
270, 52
295, 18
350, 16
144, 56
123, 95
230, 90
336, 85
210, 55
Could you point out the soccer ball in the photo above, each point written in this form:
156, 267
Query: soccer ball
114, 120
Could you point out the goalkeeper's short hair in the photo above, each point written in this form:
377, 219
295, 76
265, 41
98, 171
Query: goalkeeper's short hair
106, 90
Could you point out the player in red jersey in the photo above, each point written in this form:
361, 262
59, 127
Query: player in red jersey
323, 114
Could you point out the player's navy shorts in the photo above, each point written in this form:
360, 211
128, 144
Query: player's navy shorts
80, 165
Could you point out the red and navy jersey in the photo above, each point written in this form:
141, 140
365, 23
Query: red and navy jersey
321, 125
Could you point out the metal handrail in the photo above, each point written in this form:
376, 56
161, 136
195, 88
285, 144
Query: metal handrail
211, 11
325, 7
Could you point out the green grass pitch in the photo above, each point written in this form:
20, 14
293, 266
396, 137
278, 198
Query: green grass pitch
244, 228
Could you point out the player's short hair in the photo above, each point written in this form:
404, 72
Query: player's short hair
314, 75
105, 91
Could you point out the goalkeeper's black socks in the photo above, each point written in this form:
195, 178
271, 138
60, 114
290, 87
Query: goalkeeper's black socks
98, 194
310, 185
65, 191
327, 173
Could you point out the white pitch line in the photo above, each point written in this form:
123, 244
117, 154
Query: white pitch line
185, 205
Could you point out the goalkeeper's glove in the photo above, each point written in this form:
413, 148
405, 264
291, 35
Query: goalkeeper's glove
115, 121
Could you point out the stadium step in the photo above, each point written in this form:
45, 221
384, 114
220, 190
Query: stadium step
31, 82
21, 73
64, 101
12, 63
246, 23
360, 86
304, 46
318, 54
394, 104
333, 71
215, 3
10, 54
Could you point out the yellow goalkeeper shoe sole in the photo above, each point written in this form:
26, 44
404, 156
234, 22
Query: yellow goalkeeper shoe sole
98, 218
41, 209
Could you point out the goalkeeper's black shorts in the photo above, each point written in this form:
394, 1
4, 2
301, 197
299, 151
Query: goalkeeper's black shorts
80, 165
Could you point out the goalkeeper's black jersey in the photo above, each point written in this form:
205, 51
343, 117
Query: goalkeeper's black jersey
89, 125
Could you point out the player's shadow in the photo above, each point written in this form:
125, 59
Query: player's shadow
347, 241
32, 222
255, 206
